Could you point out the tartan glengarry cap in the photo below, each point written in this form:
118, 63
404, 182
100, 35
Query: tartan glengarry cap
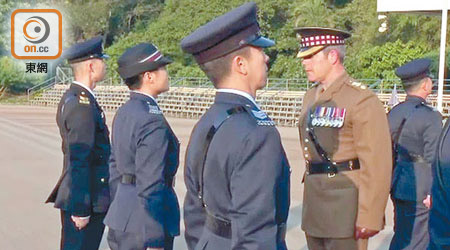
141, 58
414, 70
314, 39
225, 34
85, 50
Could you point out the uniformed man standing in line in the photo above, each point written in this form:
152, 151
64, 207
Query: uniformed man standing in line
415, 129
144, 212
236, 171
82, 192
345, 139
439, 221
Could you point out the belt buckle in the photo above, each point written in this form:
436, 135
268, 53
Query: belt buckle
331, 175
350, 164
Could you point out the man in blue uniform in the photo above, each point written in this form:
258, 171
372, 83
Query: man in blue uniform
144, 213
82, 192
415, 129
439, 224
236, 170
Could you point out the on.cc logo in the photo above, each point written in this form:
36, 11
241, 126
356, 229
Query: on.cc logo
36, 30
36, 34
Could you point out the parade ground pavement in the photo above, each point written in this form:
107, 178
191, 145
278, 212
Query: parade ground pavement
31, 163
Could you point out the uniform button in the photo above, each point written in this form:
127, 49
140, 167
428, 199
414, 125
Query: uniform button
306, 140
306, 155
307, 129
306, 148
102, 179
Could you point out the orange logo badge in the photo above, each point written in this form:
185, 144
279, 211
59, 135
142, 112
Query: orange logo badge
36, 34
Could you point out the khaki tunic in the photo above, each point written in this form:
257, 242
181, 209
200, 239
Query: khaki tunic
332, 205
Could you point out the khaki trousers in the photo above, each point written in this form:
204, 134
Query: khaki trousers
315, 243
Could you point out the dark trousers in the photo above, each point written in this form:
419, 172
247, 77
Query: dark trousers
411, 225
88, 238
118, 240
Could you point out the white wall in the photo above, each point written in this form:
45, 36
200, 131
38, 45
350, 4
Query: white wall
410, 5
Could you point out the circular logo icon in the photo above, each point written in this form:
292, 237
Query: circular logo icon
36, 30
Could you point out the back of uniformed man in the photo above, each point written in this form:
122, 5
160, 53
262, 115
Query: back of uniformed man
236, 171
144, 212
82, 191
345, 139
415, 129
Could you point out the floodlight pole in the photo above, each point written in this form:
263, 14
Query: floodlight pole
442, 55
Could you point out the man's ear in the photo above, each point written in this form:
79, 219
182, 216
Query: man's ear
240, 64
89, 66
151, 75
333, 56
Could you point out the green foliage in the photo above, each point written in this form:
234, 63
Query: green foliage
124, 24
13, 76
379, 62
5, 7
10, 72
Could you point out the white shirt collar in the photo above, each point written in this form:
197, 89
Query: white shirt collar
142, 93
241, 93
85, 87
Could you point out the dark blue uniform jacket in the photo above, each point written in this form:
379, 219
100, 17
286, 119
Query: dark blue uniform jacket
246, 178
440, 209
83, 185
144, 145
417, 144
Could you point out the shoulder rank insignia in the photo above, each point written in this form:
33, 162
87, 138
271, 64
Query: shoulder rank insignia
358, 84
261, 118
153, 109
83, 99
332, 117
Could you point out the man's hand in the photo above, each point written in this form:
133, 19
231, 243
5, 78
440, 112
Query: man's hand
427, 201
80, 222
364, 233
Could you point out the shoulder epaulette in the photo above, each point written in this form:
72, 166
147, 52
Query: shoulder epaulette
262, 119
153, 109
83, 98
357, 85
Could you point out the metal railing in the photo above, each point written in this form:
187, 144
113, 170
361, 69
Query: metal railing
41, 86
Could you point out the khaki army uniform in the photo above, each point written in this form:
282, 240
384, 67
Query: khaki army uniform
335, 203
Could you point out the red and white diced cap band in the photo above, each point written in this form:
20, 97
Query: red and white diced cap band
318, 40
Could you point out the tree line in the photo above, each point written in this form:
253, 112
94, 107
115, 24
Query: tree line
370, 54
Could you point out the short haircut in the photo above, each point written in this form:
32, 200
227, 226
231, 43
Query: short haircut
413, 85
217, 69
339, 48
77, 67
135, 82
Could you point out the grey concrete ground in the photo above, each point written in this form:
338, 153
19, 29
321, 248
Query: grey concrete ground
31, 162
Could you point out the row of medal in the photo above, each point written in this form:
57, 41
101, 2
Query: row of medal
332, 117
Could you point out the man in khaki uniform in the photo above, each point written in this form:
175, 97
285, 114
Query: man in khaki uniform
346, 143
